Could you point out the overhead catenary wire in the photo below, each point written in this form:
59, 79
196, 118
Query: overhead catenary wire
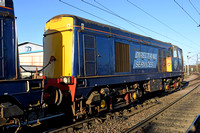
115, 14
90, 13
186, 13
161, 22
194, 7
132, 22
116, 24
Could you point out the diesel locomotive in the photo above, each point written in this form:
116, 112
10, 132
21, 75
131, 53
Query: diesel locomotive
17, 96
99, 66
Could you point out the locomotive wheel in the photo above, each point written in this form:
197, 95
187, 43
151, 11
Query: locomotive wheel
177, 84
139, 93
54, 96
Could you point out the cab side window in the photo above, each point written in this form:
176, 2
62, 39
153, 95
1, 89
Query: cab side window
175, 54
179, 54
169, 52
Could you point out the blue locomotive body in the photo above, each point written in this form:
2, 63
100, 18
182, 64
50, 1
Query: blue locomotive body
120, 57
97, 65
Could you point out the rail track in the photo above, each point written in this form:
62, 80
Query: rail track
125, 114
195, 126
88, 123
52, 125
175, 117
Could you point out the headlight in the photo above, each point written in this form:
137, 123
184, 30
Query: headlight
66, 80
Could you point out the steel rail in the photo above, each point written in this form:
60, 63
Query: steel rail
92, 119
147, 120
71, 126
86, 121
193, 124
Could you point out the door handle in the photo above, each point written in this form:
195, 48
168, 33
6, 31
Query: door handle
98, 55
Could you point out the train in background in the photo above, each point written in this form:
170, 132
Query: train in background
18, 97
98, 66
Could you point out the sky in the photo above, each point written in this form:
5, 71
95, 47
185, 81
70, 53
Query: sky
173, 21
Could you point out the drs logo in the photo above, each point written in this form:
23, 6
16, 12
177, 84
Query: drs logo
144, 60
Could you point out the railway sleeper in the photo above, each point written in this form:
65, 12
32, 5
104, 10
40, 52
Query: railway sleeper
177, 115
186, 110
171, 125
165, 119
173, 118
183, 112
162, 130
174, 121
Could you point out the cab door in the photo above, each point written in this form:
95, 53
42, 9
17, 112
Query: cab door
175, 60
180, 60
104, 55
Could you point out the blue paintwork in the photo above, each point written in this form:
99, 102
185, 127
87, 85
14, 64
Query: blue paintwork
10, 83
102, 81
104, 55
18, 90
105, 38
9, 43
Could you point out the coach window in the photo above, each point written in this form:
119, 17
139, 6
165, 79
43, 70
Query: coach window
175, 53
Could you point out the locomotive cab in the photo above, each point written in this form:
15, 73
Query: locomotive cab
58, 42
59, 39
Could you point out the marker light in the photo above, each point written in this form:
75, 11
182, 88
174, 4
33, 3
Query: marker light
66, 80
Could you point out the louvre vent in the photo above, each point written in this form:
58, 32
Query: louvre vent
90, 58
122, 57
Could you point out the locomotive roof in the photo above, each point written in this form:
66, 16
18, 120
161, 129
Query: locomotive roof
6, 8
108, 28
